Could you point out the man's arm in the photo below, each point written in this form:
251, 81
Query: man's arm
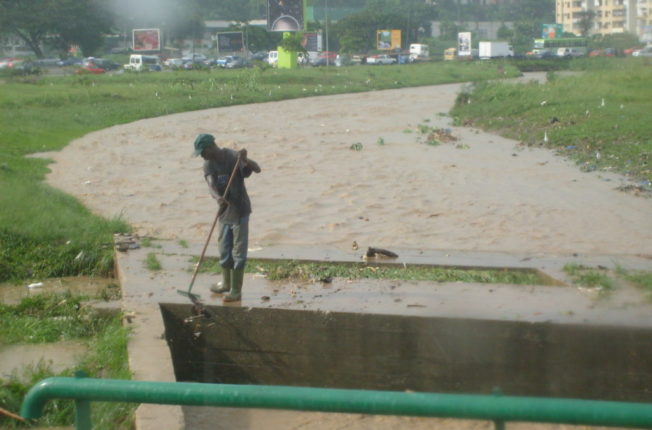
248, 163
212, 188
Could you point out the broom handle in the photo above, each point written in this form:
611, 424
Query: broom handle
210, 234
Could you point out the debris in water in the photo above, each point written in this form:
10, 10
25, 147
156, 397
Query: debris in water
380, 252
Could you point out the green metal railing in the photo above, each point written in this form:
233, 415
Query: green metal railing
497, 408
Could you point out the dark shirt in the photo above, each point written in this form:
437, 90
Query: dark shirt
238, 200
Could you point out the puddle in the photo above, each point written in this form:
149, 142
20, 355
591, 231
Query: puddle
12, 294
58, 356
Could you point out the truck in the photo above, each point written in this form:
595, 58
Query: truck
139, 63
419, 52
494, 49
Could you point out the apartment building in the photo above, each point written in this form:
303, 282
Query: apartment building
609, 16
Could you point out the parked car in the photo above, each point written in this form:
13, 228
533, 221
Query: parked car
70, 61
196, 58
541, 54
235, 62
47, 62
607, 52
272, 58
260, 55
19, 65
174, 63
143, 63
381, 59
106, 64
7, 63
90, 68
645, 52
324, 58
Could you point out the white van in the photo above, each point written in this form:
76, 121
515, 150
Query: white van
272, 58
139, 63
571, 52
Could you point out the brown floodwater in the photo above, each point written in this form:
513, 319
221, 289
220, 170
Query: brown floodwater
12, 293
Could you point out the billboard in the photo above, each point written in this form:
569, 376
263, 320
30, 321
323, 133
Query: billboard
388, 39
148, 39
230, 41
464, 44
312, 42
552, 31
284, 15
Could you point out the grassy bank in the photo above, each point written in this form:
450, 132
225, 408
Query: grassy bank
600, 118
44, 232
49, 318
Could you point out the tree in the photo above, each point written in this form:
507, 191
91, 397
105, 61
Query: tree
30, 20
357, 32
64, 22
586, 21
504, 32
83, 23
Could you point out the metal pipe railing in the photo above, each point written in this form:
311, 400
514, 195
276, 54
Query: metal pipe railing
497, 408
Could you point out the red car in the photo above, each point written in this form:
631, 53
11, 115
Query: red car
91, 68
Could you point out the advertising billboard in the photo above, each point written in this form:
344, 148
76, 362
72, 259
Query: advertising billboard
312, 42
388, 39
147, 39
231, 41
284, 15
551, 31
464, 44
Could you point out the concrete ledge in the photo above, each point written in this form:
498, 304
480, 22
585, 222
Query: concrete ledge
143, 291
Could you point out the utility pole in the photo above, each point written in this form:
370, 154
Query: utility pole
327, 50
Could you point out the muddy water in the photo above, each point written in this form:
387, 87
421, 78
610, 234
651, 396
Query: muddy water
11, 293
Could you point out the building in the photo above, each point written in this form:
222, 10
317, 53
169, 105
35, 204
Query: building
609, 16
487, 30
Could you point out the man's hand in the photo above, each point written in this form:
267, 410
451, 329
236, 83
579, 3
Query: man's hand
245, 162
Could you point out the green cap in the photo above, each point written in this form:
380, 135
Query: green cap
202, 142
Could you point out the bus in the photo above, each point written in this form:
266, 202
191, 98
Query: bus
575, 44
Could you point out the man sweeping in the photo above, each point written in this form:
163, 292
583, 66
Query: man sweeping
225, 171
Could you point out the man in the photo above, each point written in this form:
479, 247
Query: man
220, 166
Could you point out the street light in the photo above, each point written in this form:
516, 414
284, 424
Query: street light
327, 50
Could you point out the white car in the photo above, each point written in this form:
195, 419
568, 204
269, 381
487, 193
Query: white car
645, 52
381, 59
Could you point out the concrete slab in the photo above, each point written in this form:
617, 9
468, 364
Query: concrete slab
143, 290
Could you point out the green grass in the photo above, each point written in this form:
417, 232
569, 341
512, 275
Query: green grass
590, 277
640, 279
616, 136
152, 263
42, 227
49, 318
307, 271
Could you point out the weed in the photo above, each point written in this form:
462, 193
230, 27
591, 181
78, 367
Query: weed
302, 271
152, 263
356, 146
597, 119
183, 243
380, 141
588, 277
640, 279
64, 316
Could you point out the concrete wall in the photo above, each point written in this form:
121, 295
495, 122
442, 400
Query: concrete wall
369, 351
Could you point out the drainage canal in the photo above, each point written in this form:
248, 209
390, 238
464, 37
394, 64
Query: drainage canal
392, 352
